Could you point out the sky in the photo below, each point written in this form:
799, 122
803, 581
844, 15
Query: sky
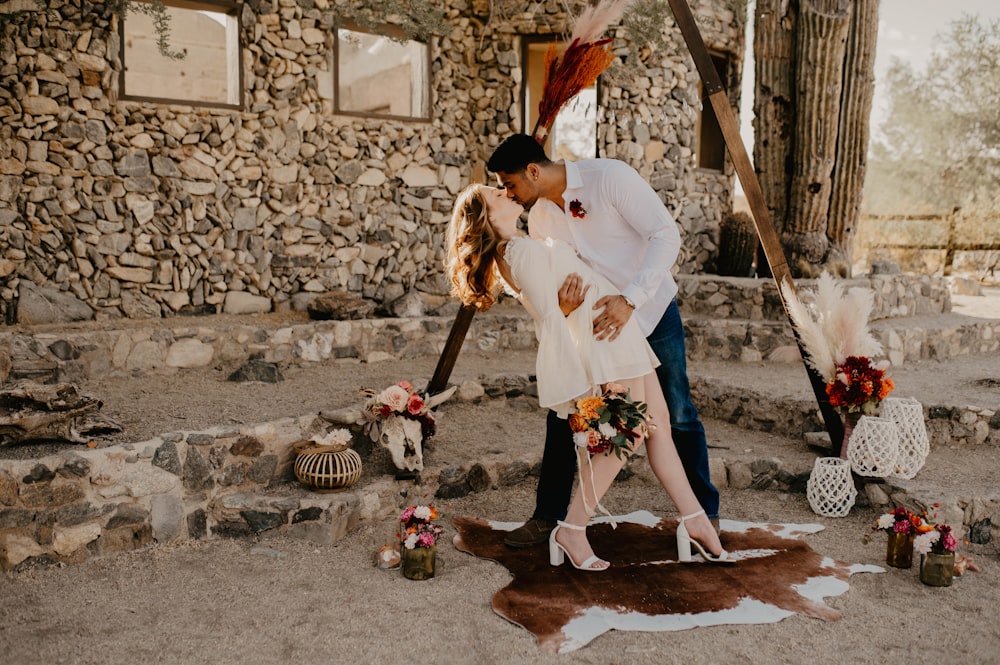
906, 30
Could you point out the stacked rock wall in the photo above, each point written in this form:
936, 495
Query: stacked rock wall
112, 208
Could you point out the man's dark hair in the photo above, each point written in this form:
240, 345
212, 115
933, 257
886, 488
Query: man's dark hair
515, 153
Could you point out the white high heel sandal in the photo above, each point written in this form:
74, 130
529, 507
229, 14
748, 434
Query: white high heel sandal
684, 542
558, 554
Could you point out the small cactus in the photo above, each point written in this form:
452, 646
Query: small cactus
737, 245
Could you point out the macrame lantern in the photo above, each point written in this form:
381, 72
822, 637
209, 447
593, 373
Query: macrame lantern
914, 445
830, 488
873, 447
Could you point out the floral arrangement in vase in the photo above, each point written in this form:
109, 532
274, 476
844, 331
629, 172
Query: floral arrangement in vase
859, 386
611, 422
833, 330
900, 520
417, 527
418, 536
900, 525
400, 419
935, 539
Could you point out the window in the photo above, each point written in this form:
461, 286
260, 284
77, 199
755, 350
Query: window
574, 133
206, 34
380, 76
711, 153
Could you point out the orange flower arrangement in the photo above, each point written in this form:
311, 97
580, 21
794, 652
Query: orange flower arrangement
609, 422
859, 386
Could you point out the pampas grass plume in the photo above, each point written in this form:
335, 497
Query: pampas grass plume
595, 20
834, 326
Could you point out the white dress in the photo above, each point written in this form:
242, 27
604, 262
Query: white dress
571, 363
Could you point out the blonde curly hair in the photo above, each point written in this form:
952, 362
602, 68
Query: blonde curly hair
472, 251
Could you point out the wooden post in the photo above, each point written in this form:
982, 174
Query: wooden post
452, 346
755, 198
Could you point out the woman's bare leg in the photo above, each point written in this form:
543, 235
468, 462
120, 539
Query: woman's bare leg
596, 478
667, 467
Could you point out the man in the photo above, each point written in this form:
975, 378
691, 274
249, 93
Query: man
617, 223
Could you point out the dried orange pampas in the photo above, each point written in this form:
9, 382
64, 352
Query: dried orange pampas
585, 58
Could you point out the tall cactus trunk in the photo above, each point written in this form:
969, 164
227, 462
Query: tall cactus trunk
853, 134
820, 45
774, 101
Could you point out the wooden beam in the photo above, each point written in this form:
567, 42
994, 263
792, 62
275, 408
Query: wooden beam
773, 251
446, 363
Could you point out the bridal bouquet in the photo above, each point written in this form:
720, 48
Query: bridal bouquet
609, 422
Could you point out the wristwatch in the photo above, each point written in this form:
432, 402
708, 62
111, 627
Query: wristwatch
628, 301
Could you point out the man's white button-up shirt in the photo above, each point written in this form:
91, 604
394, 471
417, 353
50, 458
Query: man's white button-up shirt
625, 232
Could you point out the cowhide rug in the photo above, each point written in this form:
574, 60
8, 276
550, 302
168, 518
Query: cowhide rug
776, 575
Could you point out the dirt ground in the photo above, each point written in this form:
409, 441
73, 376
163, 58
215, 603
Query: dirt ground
282, 601
276, 600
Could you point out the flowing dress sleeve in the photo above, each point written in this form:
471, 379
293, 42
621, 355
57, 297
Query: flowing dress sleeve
559, 367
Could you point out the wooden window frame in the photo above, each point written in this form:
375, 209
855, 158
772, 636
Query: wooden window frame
707, 120
389, 32
228, 7
528, 115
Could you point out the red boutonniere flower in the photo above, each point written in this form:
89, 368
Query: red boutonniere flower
576, 209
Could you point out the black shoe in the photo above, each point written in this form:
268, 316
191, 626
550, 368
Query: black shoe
531, 533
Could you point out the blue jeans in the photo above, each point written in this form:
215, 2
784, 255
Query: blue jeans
555, 481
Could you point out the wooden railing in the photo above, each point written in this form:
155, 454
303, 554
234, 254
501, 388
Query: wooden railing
929, 242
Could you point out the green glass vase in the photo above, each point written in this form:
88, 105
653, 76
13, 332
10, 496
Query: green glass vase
937, 569
418, 563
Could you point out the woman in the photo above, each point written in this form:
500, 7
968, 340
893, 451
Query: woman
485, 249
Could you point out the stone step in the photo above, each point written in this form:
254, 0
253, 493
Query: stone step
166, 346
960, 397
903, 340
756, 299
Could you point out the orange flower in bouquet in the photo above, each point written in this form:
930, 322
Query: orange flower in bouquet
859, 386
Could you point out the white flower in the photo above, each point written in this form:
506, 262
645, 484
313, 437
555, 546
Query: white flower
581, 439
886, 521
410, 542
395, 398
925, 541
422, 513
333, 437
607, 430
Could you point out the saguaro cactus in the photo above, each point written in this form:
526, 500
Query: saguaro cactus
737, 245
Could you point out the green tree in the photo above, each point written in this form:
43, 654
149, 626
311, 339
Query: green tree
939, 147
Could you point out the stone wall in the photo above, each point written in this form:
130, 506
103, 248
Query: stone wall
113, 208
726, 318
183, 485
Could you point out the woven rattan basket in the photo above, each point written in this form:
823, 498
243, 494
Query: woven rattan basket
326, 468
